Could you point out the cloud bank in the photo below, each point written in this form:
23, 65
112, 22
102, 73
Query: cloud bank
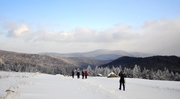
154, 36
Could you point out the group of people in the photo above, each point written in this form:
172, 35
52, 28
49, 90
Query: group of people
83, 73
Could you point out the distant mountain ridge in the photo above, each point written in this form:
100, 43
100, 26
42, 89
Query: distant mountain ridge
101, 54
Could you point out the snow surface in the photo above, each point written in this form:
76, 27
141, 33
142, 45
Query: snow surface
45, 86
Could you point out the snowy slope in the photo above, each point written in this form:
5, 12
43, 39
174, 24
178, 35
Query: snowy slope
44, 86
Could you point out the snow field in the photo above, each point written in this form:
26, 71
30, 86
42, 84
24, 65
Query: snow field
44, 86
11, 82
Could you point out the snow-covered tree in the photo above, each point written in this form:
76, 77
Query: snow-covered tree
97, 71
106, 71
128, 72
64, 71
136, 71
116, 70
144, 72
177, 77
172, 76
89, 69
160, 75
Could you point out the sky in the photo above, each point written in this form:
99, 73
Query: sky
66, 26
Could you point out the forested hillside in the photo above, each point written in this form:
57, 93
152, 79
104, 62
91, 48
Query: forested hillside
43, 63
155, 62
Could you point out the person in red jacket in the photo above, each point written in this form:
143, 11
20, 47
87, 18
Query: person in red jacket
85, 74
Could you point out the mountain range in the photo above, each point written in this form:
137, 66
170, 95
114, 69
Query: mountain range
102, 54
103, 58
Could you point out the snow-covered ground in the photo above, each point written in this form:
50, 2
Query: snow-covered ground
15, 85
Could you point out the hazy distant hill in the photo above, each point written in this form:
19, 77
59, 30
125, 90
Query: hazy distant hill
102, 54
155, 62
24, 62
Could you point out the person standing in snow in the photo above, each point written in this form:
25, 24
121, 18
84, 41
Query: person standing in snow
72, 73
122, 80
78, 74
82, 74
86, 74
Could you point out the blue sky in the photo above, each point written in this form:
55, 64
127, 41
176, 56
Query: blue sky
96, 14
92, 24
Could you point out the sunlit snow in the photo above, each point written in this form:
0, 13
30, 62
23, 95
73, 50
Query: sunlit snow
15, 85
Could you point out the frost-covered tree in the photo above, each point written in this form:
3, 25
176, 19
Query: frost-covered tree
167, 74
144, 72
136, 71
128, 72
151, 74
172, 76
160, 75
97, 71
64, 71
116, 70
177, 77
106, 71
101, 71
89, 69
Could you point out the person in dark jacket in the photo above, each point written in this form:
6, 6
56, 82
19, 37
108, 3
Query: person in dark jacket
78, 74
82, 74
72, 73
122, 80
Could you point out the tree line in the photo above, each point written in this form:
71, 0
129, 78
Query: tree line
135, 72
35, 68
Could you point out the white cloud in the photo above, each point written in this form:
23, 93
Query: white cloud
18, 31
155, 36
161, 36
80, 34
15, 30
